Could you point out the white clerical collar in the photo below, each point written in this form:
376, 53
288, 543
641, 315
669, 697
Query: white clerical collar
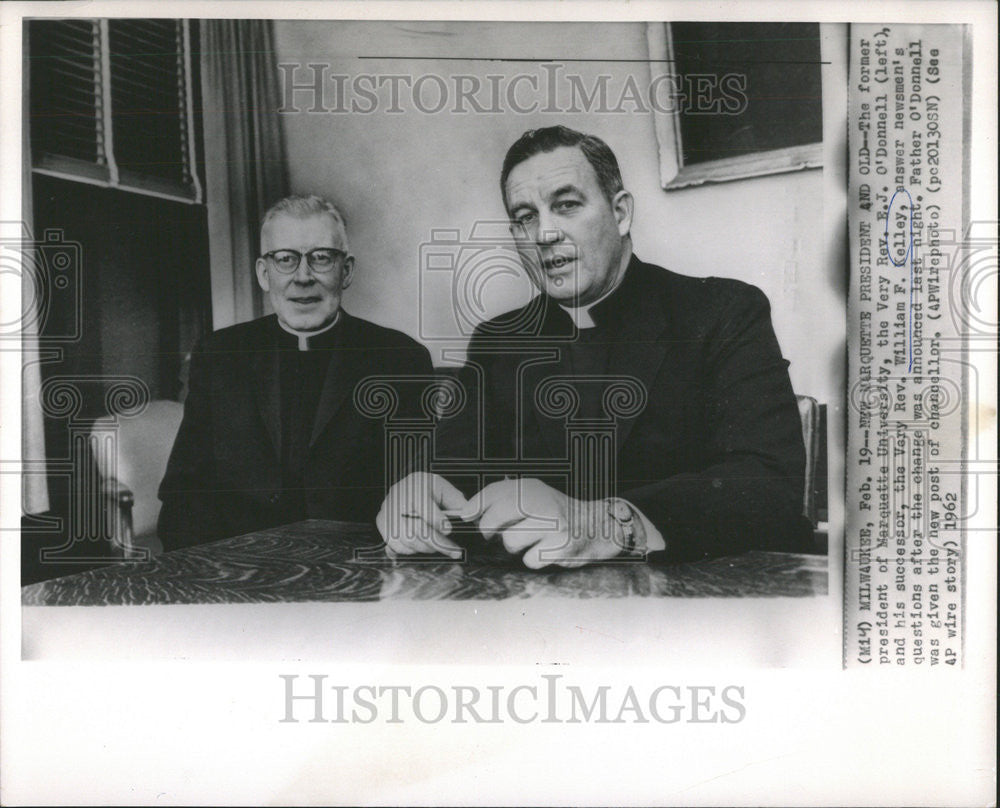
580, 315
304, 336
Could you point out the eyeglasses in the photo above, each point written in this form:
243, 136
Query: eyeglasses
320, 260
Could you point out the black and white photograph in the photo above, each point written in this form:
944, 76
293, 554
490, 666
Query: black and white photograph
414, 403
427, 405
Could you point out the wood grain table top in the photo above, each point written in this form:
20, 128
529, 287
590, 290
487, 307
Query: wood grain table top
320, 560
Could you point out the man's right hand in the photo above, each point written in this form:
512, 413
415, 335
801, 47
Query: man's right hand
413, 520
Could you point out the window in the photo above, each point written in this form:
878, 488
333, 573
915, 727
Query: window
112, 104
748, 99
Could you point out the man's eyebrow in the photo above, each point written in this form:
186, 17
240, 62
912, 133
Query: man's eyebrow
568, 188
520, 204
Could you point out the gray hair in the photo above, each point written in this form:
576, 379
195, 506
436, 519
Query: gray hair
301, 207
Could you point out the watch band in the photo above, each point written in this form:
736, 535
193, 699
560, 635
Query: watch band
621, 513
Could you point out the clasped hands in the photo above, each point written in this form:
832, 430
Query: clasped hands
535, 520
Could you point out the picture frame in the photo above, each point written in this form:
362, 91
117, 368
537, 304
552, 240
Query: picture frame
672, 129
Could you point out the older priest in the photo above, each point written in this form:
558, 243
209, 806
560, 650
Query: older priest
271, 434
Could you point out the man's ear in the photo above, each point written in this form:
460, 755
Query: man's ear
262, 279
623, 206
348, 274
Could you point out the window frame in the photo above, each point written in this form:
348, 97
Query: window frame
108, 174
673, 173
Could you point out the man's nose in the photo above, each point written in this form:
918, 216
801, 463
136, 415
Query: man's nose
549, 231
302, 272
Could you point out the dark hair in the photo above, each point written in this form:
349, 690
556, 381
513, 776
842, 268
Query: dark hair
597, 152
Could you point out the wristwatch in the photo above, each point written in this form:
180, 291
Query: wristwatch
621, 512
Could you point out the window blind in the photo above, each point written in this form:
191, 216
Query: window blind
66, 99
111, 102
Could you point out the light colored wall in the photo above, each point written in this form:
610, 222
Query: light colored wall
398, 176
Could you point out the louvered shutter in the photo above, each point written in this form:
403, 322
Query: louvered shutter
111, 103
66, 100
148, 99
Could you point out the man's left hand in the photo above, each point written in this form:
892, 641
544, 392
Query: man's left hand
546, 525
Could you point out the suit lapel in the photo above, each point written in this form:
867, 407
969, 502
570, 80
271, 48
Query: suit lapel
635, 318
547, 358
341, 372
267, 373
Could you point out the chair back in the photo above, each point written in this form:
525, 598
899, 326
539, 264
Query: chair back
809, 414
142, 449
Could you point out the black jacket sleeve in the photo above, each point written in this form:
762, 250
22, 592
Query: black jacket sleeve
748, 494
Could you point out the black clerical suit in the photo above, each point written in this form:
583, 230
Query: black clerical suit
715, 457
271, 434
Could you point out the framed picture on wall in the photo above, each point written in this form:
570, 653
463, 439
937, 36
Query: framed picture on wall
707, 73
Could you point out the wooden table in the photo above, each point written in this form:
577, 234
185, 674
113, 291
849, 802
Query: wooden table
322, 561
